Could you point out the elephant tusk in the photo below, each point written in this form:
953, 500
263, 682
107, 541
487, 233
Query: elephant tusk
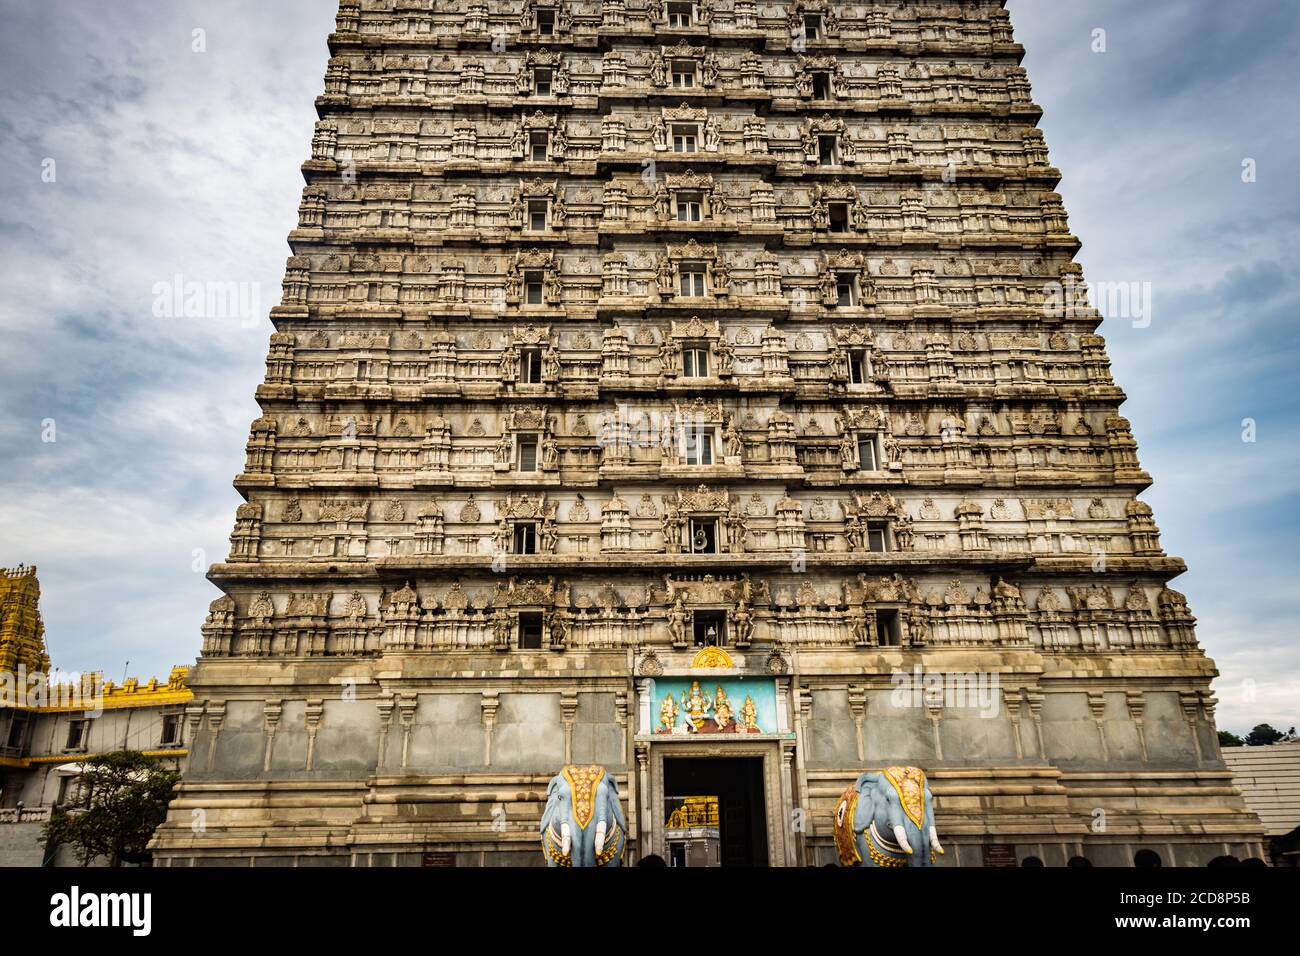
600, 836
934, 841
566, 838
901, 836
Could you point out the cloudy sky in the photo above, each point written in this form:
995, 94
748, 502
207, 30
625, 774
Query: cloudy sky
131, 158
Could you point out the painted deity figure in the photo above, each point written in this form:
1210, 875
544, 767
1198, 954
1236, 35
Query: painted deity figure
668, 713
749, 714
722, 713
696, 706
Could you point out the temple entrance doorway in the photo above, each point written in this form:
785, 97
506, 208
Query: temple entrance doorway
714, 811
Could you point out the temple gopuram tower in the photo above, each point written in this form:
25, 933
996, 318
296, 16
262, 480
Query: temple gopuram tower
704, 389
22, 632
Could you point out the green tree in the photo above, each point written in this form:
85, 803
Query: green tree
1228, 739
1263, 735
124, 797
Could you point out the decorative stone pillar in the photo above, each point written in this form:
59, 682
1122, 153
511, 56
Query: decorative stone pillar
1011, 704
315, 711
1137, 707
568, 713
384, 704
406, 707
271, 711
216, 717
1097, 706
1190, 701
1035, 701
858, 708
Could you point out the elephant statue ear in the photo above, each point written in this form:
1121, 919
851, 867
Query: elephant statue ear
864, 778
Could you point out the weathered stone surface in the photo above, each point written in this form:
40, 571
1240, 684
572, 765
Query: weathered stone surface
619, 326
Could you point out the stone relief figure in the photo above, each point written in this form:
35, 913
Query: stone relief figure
670, 354
853, 533
551, 363
722, 283
559, 631
893, 452
732, 440
554, 289
501, 629
661, 202
673, 522
860, 215
821, 214
711, 72
509, 366
504, 447
735, 528
659, 134
742, 624
583, 824
712, 135
659, 70
726, 358
858, 627
826, 285
677, 622
550, 454
886, 819
848, 453
664, 274
549, 535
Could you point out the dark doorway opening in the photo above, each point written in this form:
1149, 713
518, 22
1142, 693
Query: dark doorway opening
710, 628
740, 825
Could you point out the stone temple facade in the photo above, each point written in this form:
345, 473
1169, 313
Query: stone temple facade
705, 390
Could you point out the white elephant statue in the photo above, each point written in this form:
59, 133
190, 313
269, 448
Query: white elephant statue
583, 823
886, 819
